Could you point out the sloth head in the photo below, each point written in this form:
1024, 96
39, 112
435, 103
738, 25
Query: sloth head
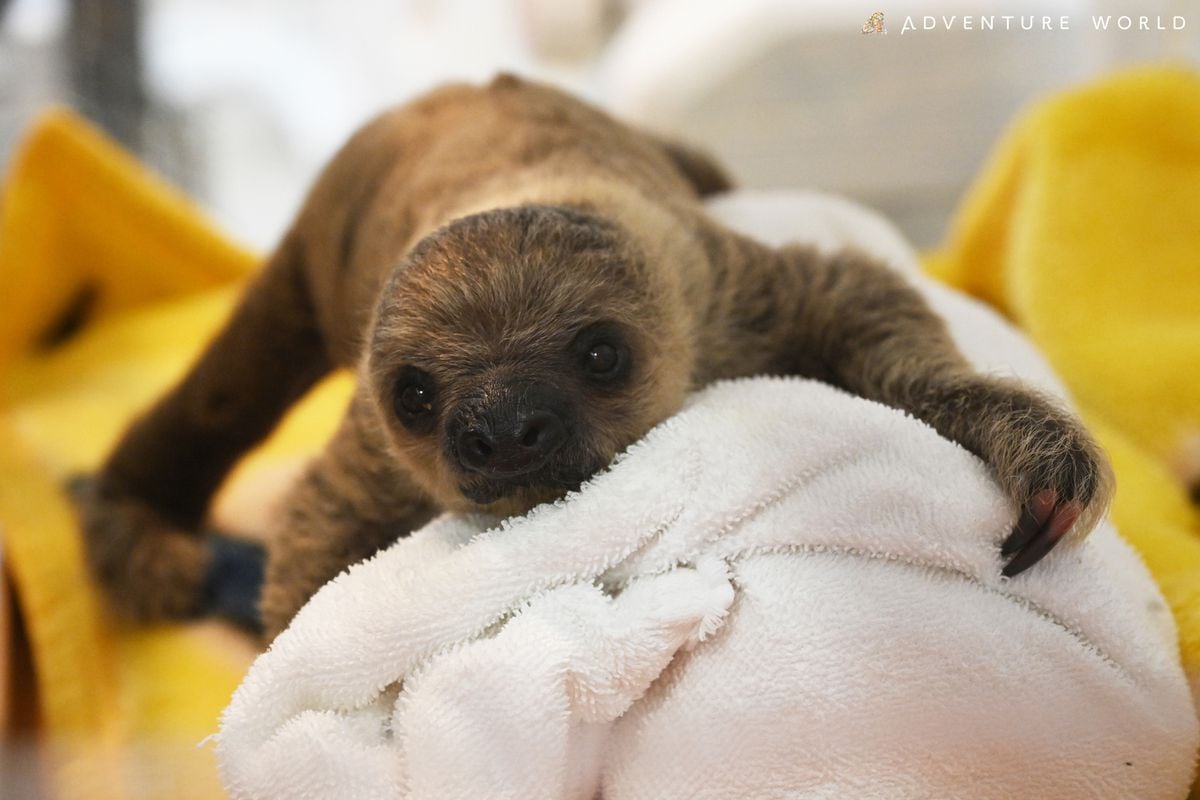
516, 352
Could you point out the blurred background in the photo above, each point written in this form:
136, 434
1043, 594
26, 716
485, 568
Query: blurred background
239, 102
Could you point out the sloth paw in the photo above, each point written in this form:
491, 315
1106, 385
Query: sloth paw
154, 569
1056, 475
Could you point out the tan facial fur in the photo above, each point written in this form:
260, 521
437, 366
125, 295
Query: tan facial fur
494, 303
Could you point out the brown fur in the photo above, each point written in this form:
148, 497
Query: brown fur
471, 234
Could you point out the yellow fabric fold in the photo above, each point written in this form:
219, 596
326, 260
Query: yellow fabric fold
80, 214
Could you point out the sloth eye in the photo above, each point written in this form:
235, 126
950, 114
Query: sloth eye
414, 396
416, 400
602, 359
602, 353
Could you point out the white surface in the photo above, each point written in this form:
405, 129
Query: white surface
785, 92
868, 646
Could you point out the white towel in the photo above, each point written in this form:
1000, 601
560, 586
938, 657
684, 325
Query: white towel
782, 591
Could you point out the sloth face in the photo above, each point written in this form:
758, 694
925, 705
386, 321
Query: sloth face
518, 351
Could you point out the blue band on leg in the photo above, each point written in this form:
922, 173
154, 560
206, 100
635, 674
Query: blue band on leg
234, 580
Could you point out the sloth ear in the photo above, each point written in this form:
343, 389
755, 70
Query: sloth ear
705, 175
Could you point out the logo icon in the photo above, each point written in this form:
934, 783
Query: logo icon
874, 24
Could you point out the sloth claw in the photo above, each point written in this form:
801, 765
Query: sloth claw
1033, 518
1042, 525
1045, 462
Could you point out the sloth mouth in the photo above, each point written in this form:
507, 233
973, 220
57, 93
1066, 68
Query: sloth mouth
540, 486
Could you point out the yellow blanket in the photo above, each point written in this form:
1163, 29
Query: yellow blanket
86, 233
1078, 230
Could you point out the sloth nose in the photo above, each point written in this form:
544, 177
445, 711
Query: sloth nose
520, 444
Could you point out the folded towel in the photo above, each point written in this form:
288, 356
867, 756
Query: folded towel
784, 590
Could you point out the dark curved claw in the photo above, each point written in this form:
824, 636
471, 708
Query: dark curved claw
1033, 518
1042, 525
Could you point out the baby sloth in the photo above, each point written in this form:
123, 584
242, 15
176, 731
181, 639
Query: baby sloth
525, 287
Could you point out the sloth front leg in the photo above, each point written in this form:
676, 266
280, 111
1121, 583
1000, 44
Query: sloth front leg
857, 324
351, 501
143, 512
